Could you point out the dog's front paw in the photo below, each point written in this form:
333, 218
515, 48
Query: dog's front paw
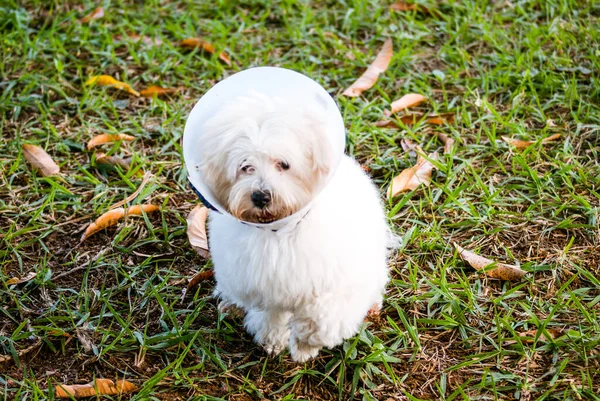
231, 309
302, 351
269, 329
276, 340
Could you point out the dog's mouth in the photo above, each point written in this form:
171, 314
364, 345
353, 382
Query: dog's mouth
264, 217
260, 216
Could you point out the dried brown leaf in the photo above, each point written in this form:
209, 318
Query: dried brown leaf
94, 15
411, 119
409, 147
153, 90
24, 279
193, 43
40, 160
500, 271
21, 353
410, 178
197, 279
447, 141
145, 39
111, 218
406, 101
403, 7
369, 77
107, 80
196, 230
520, 144
95, 388
108, 138
529, 335
102, 158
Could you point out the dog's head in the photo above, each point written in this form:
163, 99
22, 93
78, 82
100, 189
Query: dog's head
264, 160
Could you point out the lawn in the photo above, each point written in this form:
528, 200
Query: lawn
110, 306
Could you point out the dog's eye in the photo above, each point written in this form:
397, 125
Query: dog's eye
247, 169
283, 165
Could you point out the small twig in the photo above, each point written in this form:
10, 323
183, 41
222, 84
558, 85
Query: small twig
133, 195
83, 266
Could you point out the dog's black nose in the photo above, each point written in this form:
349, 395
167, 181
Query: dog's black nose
261, 198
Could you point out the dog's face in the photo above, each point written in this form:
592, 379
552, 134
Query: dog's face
264, 161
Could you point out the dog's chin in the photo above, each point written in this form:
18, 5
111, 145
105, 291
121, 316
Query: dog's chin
261, 216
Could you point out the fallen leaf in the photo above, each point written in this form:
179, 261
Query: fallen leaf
519, 144
21, 353
414, 176
107, 80
96, 14
102, 158
108, 138
197, 279
411, 119
95, 388
111, 218
500, 271
440, 119
24, 279
153, 90
402, 6
447, 141
196, 230
193, 43
406, 101
145, 39
409, 147
529, 335
369, 77
40, 160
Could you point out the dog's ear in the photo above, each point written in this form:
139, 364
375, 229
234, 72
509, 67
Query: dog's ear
319, 146
321, 153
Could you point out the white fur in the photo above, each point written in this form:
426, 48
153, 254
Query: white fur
309, 285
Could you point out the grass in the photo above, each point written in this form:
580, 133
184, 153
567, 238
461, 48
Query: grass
111, 308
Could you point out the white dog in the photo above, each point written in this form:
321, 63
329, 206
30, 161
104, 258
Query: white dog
310, 284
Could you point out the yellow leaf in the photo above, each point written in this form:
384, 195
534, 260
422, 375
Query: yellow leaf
108, 138
369, 77
519, 144
107, 80
96, 14
153, 90
40, 160
111, 218
414, 176
198, 43
95, 388
500, 271
406, 101
196, 230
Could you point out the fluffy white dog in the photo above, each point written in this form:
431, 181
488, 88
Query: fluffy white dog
311, 283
